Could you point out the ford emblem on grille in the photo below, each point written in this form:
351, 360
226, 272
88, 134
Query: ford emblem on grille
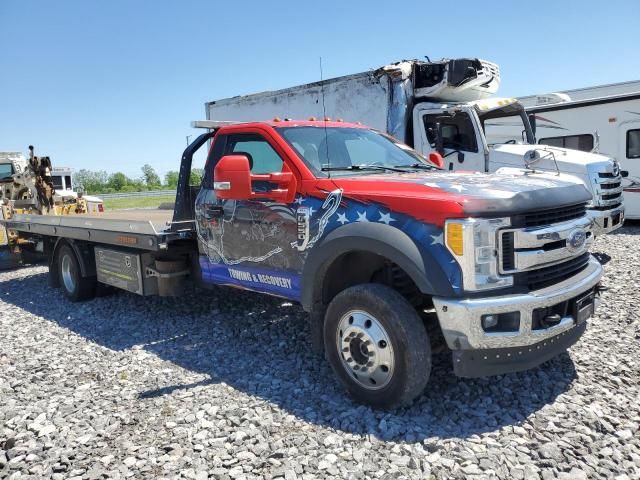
576, 240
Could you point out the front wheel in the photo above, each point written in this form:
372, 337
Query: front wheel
377, 345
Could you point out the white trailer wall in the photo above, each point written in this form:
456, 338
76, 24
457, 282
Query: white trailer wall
355, 98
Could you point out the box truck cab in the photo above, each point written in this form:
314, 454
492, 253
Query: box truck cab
494, 133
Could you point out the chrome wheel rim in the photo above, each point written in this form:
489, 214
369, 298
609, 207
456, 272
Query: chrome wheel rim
67, 275
365, 349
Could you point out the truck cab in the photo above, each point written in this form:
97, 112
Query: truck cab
494, 133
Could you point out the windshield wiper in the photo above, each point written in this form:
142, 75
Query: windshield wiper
423, 166
364, 166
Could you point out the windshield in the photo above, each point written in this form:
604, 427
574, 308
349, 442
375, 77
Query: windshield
6, 170
345, 148
506, 125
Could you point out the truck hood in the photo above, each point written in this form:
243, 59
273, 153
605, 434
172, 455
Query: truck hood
435, 196
570, 161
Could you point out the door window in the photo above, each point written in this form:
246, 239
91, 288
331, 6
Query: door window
457, 131
633, 143
262, 157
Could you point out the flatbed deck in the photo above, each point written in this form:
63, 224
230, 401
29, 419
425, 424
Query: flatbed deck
147, 229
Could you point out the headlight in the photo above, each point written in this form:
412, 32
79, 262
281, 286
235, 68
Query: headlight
473, 243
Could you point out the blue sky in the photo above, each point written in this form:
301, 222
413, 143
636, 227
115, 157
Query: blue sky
113, 85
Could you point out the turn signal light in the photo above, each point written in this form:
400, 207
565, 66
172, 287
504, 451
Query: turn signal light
455, 240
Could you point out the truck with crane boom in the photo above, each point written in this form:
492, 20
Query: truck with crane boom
377, 244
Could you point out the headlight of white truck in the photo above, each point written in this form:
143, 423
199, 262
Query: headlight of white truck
474, 244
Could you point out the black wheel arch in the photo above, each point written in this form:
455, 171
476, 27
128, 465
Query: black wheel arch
378, 239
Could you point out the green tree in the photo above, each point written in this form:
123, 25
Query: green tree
150, 177
118, 180
171, 179
91, 182
195, 178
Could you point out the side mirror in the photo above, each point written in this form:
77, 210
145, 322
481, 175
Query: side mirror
460, 157
232, 180
436, 159
624, 173
531, 157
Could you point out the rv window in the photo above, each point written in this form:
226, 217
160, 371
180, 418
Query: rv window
633, 143
67, 182
576, 142
457, 131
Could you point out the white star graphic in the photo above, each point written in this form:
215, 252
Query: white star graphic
432, 185
459, 188
311, 210
362, 217
342, 218
437, 239
386, 218
299, 200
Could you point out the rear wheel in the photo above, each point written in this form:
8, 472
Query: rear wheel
74, 286
377, 345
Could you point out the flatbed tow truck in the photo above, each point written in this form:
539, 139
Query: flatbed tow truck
367, 235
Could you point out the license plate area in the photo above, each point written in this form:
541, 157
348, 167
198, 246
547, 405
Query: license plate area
583, 307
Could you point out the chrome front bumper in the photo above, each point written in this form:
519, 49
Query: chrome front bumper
460, 318
605, 221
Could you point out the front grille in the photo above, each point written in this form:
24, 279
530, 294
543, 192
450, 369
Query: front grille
508, 257
607, 175
551, 215
544, 277
609, 186
607, 207
611, 196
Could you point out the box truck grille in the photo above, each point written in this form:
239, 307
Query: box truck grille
547, 276
553, 215
609, 186
611, 196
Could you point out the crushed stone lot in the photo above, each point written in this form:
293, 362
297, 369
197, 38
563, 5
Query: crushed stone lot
223, 384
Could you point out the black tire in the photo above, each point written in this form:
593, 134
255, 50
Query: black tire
406, 334
76, 287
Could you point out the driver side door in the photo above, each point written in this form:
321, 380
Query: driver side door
247, 243
462, 142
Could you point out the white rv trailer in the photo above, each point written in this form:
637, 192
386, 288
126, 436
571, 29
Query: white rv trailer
604, 119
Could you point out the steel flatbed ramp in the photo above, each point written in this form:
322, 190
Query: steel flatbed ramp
138, 228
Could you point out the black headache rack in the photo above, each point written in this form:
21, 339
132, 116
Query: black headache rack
183, 211
137, 234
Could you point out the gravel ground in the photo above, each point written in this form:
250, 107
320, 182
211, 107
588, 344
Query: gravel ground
222, 384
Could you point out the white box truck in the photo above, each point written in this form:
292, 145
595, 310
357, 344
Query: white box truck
440, 106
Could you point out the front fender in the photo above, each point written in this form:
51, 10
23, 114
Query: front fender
384, 240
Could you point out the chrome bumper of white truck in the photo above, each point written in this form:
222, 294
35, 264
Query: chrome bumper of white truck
605, 221
461, 319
